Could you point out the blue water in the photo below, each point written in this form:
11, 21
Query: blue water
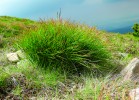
122, 30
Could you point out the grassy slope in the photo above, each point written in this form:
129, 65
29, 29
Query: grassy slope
55, 85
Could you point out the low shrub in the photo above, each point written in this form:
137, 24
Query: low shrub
70, 46
136, 30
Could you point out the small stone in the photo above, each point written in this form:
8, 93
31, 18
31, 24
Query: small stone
134, 94
12, 57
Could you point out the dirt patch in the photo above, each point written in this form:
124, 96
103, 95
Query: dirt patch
28, 89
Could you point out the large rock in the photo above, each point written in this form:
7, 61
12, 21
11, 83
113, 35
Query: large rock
12, 57
132, 70
134, 94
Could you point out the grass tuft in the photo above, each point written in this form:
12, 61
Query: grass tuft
67, 45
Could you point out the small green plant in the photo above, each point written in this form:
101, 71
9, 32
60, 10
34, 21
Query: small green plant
136, 30
17, 91
69, 46
3, 77
1, 41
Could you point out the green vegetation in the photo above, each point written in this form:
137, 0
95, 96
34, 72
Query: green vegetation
66, 45
1, 41
3, 78
10, 26
55, 51
136, 30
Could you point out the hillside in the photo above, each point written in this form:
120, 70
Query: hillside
37, 75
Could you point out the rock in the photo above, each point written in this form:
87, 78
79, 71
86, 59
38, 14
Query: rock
12, 57
131, 70
20, 54
134, 94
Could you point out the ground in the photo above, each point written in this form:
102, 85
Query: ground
26, 81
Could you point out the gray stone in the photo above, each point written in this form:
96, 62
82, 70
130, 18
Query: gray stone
134, 94
12, 57
131, 70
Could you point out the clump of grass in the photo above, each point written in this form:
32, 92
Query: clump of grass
71, 46
17, 90
1, 41
3, 77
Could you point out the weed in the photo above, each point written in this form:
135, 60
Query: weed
3, 77
17, 91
